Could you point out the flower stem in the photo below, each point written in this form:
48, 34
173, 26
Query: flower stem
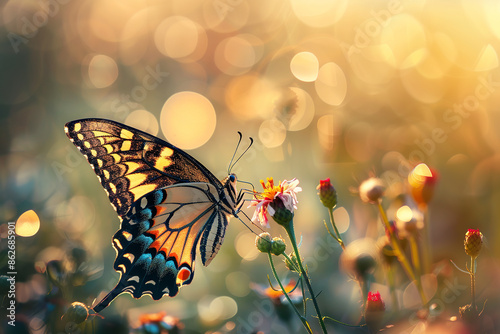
415, 258
291, 234
426, 249
332, 221
302, 319
473, 281
392, 286
400, 255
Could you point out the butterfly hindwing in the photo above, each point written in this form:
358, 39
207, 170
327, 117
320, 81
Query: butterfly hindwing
156, 244
130, 163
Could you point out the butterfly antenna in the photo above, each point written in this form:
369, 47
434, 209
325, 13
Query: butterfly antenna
234, 154
250, 145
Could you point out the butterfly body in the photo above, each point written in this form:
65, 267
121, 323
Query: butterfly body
169, 204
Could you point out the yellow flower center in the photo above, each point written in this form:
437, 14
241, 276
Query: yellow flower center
270, 190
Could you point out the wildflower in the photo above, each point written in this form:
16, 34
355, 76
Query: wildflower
359, 258
327, 193
277, 200
278, 246
281, 306
408, 221
473, 242
277, 296
159, 323
371, 190
422, 181
263, 242
76, 313
374, 311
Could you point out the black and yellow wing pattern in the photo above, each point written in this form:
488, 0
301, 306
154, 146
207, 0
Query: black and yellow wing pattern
169, 206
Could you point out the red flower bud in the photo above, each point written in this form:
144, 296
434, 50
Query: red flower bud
327, 193
374, 311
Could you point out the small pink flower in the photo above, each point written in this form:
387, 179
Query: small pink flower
285, 192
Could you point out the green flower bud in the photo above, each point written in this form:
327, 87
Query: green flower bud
292, 264
263, 242
278, 246
473, 242
77, 313
327, 193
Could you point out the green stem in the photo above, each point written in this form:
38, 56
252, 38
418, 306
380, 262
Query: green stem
302, 319
415, 258
291, 234
332, 221
473, 281
392, 286
426, 249
400, 255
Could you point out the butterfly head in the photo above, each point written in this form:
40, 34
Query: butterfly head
231, 193
230, 183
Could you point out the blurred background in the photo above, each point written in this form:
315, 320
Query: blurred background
340, 89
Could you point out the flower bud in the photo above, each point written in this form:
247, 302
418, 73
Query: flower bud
76, 313
359, 258
374, 311
371, 190
422, 181
327, 193
473, 242
291, 262
264, 242
278, 246
56, 272
280, 213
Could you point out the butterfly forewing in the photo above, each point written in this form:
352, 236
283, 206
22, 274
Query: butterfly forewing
130, 163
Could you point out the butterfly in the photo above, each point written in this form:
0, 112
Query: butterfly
168, 203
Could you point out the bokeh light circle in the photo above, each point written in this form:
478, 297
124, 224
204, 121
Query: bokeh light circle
236, 55
331, 85
304, 66
27, 224
143, 120
188, 120
304, 110
272, 133
103, 71
180, 38
319, 13
404, 35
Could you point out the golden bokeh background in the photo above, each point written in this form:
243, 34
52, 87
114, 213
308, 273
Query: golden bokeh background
339, 89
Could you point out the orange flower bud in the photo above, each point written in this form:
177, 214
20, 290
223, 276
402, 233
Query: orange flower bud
422, 181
